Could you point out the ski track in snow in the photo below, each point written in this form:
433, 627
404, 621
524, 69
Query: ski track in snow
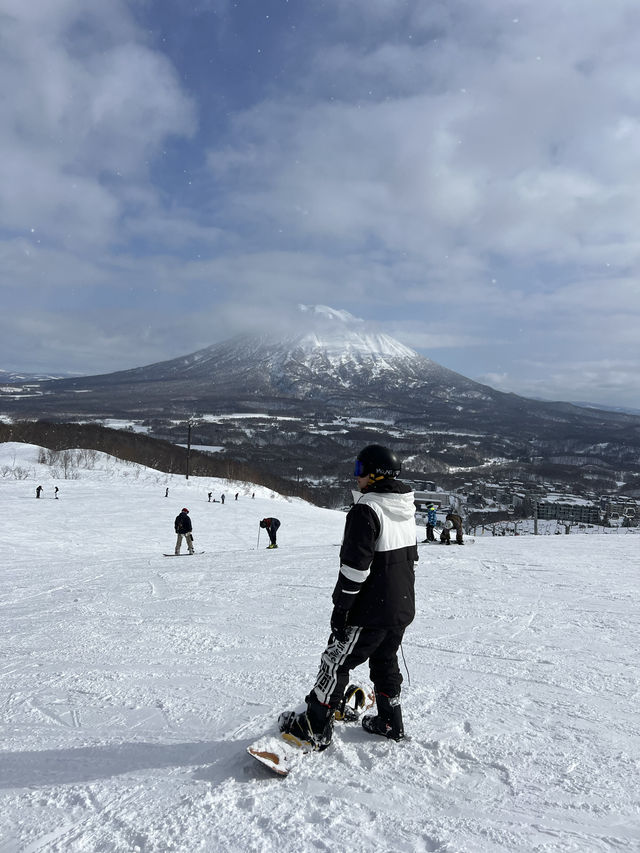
131, 684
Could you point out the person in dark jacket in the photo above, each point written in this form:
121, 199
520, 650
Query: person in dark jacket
38, 490
432, 517
183, 527
445, 533
456, 523
373, 599
271, 525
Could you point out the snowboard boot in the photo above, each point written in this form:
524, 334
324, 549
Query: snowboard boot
313, 727
388, 721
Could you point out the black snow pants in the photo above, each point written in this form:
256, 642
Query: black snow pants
272, 530
377, 645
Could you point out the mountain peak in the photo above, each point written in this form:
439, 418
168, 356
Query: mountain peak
341, 335
327, 314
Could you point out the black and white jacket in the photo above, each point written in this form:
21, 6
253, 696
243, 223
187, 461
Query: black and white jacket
377, 579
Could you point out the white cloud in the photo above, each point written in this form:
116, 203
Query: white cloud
500, 178
467, 171
86, 105
584, 381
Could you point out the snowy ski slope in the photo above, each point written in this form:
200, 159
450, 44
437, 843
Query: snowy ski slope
131, 684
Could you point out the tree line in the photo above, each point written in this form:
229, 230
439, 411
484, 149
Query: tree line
139, 448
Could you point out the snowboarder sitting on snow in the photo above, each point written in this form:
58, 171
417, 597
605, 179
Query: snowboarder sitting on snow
456, 522
271, 525
183, 527
374, 601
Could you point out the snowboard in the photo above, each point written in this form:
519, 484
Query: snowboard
281, 752
186, 554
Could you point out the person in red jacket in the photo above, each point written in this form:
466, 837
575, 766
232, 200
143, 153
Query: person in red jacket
374, 601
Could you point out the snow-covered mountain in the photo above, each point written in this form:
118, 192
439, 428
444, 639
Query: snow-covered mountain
328, 376
10, 377
329, 345
331, 358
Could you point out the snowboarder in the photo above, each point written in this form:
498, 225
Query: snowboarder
431, 522
456, 522
374, 601
183, 527
237, 493
209, 496
221, 498
56, 490
166, 492
38, 490
271, 525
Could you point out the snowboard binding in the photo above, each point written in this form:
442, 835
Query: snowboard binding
353, 704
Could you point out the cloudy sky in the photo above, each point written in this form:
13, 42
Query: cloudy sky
462, 174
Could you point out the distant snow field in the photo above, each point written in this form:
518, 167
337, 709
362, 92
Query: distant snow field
131, 683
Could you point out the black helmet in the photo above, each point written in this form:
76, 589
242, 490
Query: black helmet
378, 462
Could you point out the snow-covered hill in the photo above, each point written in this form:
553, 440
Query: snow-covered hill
131, 683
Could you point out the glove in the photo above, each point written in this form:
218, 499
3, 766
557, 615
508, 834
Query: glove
339, 624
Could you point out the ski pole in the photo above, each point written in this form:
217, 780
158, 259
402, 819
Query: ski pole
258, 542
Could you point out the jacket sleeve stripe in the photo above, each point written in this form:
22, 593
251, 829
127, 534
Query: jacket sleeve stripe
357, 575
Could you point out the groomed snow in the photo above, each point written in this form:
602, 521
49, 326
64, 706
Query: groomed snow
131, 684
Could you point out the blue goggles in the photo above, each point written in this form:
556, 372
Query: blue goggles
358, 470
